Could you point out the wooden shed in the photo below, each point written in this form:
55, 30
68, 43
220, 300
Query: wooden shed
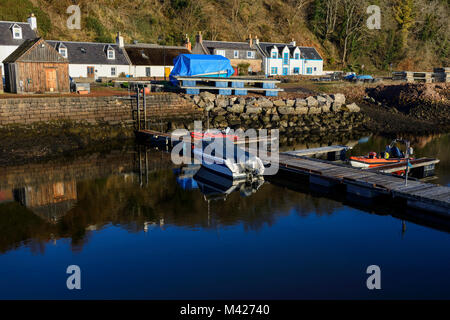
36, 67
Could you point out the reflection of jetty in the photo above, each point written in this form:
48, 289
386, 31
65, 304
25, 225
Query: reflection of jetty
368, 184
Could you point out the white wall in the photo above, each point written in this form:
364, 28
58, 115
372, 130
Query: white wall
102, 70
318, 64
155, 71
302, 64
5, 51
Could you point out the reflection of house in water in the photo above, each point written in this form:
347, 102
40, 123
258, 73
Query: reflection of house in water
6, 196
50, 201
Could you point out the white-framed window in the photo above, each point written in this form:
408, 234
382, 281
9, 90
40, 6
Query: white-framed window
148, 72
63, 52
220, 53
17, 32
111, 54
250, 54
236, 54
113, 71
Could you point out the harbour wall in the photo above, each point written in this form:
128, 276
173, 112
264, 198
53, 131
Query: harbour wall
169, 111
111, 110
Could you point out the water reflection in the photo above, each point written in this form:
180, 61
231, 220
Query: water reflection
140, 190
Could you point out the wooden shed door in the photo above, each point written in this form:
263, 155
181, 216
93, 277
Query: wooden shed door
50, 75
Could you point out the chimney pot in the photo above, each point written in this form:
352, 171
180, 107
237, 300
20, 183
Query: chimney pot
119, 40
187, 43
199, 38
32, 21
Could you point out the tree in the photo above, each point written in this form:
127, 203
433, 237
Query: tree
404, 15
353, 17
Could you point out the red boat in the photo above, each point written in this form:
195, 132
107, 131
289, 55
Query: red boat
392, 155
200, 135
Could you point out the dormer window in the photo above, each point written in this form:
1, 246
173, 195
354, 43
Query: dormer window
111, 53
62, 49
274, 54
17, 32
63, 52
297, 56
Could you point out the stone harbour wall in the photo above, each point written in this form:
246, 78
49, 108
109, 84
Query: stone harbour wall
313, 114
112, 110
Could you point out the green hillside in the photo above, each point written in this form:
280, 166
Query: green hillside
413, 35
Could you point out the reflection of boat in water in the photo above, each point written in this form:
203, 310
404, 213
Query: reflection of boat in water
215, 186
228, 159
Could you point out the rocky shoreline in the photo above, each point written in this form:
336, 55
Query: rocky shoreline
314, 114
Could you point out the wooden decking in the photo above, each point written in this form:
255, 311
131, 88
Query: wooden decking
416, 163
229, 86
370, 184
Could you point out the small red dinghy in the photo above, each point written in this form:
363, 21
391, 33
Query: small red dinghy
392, 155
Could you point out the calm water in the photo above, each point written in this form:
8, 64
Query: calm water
160, 233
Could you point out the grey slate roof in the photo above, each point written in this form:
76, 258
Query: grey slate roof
211, 45
305, 52
6, 36
153, 55
92, 52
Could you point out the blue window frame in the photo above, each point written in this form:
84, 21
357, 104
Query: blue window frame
297, 56
296, 70
274, 55
285, 71
309, 70
286, 58
274, 70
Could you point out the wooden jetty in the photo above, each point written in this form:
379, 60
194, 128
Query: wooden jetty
228, 86
333, 152
370, 184
427, 165
167, 140
362, 183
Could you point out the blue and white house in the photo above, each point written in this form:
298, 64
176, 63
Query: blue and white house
280, 59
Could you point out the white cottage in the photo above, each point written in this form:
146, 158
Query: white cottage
13, 34
289, 59
94, 60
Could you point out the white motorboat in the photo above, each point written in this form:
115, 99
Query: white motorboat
224, 157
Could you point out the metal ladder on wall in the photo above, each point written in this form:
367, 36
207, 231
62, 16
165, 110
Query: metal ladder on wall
142, 122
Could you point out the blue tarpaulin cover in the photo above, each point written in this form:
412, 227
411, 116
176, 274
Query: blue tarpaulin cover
358, 77
200, 64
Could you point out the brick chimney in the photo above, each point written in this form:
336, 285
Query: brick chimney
199, 38
187, 43
32, 21
250, 40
